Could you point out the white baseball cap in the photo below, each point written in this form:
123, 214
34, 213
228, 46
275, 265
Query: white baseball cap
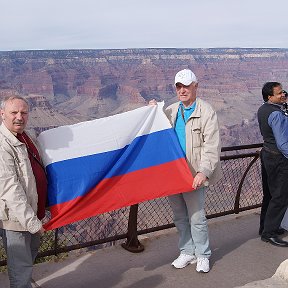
185, 77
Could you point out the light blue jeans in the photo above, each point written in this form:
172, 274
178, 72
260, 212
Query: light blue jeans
21, 248
191, 222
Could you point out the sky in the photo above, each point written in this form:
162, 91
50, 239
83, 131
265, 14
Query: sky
121, 24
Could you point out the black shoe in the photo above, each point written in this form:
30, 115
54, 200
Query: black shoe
274, 241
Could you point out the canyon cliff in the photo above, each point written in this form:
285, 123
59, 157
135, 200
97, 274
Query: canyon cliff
68, 86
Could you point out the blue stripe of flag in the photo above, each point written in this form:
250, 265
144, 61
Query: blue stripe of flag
72, 178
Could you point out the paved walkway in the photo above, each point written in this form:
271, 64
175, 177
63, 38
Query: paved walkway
239, 257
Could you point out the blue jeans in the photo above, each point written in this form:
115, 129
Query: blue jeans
191, 222
21, 248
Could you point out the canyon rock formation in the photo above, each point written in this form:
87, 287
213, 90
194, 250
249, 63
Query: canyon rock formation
68, 86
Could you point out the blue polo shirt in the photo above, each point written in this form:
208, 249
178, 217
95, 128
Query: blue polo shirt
180, 123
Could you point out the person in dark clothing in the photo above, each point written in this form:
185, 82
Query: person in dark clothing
273, 123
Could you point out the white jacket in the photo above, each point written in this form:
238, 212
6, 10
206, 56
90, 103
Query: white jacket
18, 193
203, 145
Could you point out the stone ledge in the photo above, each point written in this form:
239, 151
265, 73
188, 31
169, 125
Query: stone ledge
282, 271
278, 280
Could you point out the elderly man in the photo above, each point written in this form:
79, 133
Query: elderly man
196, 125
23, 189
273, 123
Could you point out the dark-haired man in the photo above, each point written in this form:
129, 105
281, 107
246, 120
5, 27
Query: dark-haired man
23, 188
273, 123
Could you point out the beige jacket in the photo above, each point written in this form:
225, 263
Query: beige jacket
18, 194
202, 140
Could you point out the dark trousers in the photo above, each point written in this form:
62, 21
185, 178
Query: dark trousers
275, 192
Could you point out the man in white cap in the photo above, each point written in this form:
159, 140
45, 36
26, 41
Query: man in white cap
196, 125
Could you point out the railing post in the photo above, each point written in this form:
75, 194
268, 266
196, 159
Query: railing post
132, 243
56, 242
238, 193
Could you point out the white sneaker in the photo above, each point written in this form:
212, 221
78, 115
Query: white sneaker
202, 265
183, 260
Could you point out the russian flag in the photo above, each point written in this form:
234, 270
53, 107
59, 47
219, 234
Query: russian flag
106, 164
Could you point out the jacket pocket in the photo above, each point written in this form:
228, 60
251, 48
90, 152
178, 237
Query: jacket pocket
23, 166
3, 211
196, 137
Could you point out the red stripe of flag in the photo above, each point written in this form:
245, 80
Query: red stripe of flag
125, 190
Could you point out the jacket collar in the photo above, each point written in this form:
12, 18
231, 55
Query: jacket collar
195, 114
9, 135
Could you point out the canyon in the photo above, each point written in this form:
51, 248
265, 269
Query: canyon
69, 86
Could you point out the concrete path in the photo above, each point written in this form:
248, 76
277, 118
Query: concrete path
239, 257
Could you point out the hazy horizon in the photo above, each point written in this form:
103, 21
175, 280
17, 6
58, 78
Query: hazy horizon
147, 48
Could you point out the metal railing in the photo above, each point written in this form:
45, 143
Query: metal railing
239, 189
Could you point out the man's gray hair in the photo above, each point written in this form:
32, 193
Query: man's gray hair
10, 98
